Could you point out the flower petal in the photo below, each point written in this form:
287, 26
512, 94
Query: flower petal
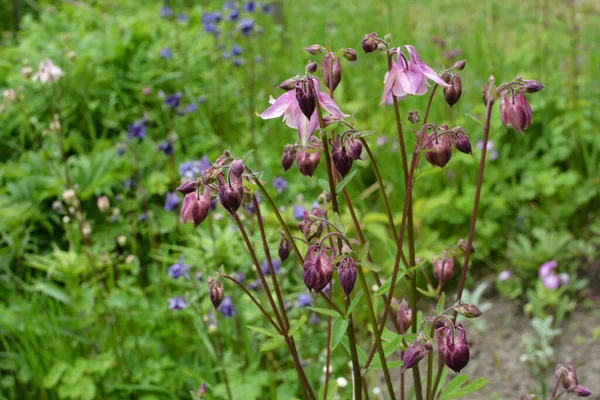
305, 127
279, 106
425, 69
331, 106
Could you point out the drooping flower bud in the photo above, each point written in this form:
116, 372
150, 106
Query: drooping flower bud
311, 67
288, 84
350, 55
331, 70
195, 208
231, 195
515, 111
403, 316
414, 117
314, 49
318, 268
532, 86
237, 167
460, 65
569, 379
285, 248
188, 186
305, 95
443, 268
454, 353
341, 160
439, 150
354, 148
308, 162
310, 228
287, 158
202, 390
370, 43
469, 310
461, 142
452, 93
581, 391
416, 352
347, 275
215, 291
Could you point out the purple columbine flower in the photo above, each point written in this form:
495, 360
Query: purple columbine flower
268, 8
280, 184
121, 149
226, 307
166, 12
143, 217
492, 151
226, 56
177, 303
276, 266
173, 100
192, 169
166, 53
547, 268
201, 99
190, 108
409, 77
236, 49
182, 17
249, 6
246, 25
287, 105
551, 281
304, 300
504, 275
298, 212
234, 15
178, 269
172, 201
166, 147
137, 130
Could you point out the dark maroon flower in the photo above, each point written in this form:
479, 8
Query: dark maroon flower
452, 93
195, 208
347, 275
287, 158
231, 194
403, 316
188, 186
285, 248
415, 352
308, 162
439, 149
331, 71
515, 111
454, 352
305, 95
215, 291
318, 268
370, 42
443, 268
354, 148
341, 159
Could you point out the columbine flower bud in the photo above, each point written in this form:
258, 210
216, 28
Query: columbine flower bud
341, 160
452, 93
232, 194
215, 291
532, 86
310, 228
484, 94
460, 65
443, 268
305, 95
331, 70
454, 353
285, 248
414, 117
347, 275
288, 84
318, 268
416, 352
237, 167
469, 310
581, 391
103, 203
188, 186
308, 162
403, 316
314, 49
195, 208
287, 158
311, 67
354, 148
461, 142
569, 379
370, 43
439, 150
202, 390
515, 111
350, 55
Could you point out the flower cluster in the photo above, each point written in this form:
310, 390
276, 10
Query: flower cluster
550, 279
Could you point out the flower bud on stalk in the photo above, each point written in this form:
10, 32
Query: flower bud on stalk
416, 352
370, 43
469, 310
350, 55
237, 167
455, 353
452, 93
195, 208
460, 65
305, 95
414, 117
215, 291
347, 275
403, 316
308, 162
461, 142
188, 186
314, 49
532, 86
354, 148
231, 195
341, 160
285, 248
439, 149
288, 84
311, 67
318, 268
287, 158
484, 94
202, 390
331, 70
310, 228
515, 111
443, 268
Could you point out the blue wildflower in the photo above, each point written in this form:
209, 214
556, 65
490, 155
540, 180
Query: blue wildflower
177, 303
246, 25
166, 12
166, 147
226, 56
280, 184
314, 319
178, 269
238, 62
234, 15
236, 49
192, 169
213, 204
249, 6
182, 17
121, 149
166, 53
229, 5
137, 130
298, 212
304, 300
172, 201
240, 277
254, 285
173, 100
201, 99
143, 217
276, 266
226, 307
190, 108
268, 8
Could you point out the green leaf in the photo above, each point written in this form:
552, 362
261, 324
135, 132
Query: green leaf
363, 252
55, 373
331, 390
272, 343
337, 221
465, 390
354, 303
264, 331
326, 311
455, 383
346, 180
441, 305
383, 288
298, 325
338, 329
324, 185
370, 266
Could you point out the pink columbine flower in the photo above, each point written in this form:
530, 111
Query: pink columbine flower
409, 77
47, 72
288, 106
547, 267
504, 275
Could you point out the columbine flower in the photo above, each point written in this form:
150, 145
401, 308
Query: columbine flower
453, 348
166, 12
179, 269
304, 300
173, 100
288, 106
515, 111
415, 352
192, 169
166, 53
177, 303
265, 266
403, 316
137, 130
226, 308
280, 184
318, 268
268, 8
172, 201
249, 6
166, 147
246, 25
195, 208
237, 62
48, 72
409, 77
190, 108
547, 267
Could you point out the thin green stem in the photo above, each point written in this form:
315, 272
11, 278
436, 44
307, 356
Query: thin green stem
353, 354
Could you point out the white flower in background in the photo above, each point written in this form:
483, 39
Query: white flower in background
9, 95
48, 72
342, 382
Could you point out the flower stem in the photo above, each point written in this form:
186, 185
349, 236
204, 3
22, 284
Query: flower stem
328, 354
353, 354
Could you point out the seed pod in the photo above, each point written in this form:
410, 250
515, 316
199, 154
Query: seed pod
414, 117
331, 70
452, 93
237, 167
311, 67
443, 268
314, 49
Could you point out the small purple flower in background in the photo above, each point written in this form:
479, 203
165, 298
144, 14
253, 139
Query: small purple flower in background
121, 149
492, 152
226, 308
304, 300
178, 269
192, 169
268, 8
547, 267
564, 278
143, 217
504, 275
251, 209
166, 12
280, 184
172, 201
234, 15
551, 281
314, 319
137, 130
177, 303
236, 49
166, 147
182, 17
166, 53
246, 25
190, 108
173, 100
238, 62
226, 56
201, 99
240, 277
229, 5
249, 6
213, 203
276, 266
298, 212
254, 285
128, 183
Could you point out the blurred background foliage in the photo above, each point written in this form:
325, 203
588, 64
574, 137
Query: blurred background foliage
88, 317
